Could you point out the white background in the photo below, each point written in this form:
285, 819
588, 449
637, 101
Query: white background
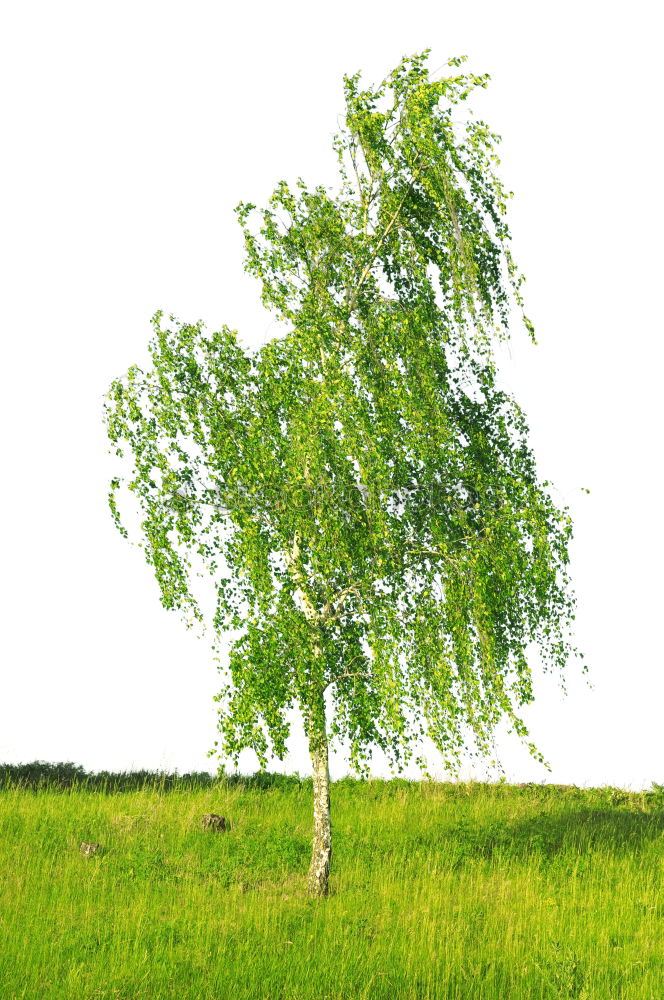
130, 131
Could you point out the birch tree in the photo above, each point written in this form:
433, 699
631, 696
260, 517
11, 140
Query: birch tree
359, 488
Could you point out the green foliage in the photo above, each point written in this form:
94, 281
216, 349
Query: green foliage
360, 490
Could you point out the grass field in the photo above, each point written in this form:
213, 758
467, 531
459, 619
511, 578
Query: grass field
466, 891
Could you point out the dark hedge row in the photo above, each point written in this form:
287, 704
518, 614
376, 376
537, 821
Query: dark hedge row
42, 774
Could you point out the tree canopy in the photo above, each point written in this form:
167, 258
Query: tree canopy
359, 488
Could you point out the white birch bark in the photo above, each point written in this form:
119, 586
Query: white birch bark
321, 853
319, 870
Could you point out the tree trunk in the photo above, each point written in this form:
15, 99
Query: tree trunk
321, 854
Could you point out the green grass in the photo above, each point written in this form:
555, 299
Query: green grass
438, 891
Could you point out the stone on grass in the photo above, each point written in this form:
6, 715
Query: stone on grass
213, 822
87, 850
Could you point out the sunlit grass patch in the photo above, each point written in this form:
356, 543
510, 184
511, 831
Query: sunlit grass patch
437, 891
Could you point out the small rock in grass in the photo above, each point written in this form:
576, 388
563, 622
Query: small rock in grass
87, 850
213, 822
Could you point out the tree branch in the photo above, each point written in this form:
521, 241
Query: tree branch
347, 674
335, 602
395, 216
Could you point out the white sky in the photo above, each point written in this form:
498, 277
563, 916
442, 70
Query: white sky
130, 132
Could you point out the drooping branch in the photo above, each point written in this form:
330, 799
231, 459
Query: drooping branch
367, 269
340, 677
331, 607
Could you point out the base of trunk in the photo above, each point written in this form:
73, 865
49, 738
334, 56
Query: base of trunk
319, 872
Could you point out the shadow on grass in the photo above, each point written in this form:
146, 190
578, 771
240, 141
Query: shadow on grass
579, 829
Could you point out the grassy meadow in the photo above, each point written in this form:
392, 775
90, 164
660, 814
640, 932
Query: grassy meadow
438, 891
